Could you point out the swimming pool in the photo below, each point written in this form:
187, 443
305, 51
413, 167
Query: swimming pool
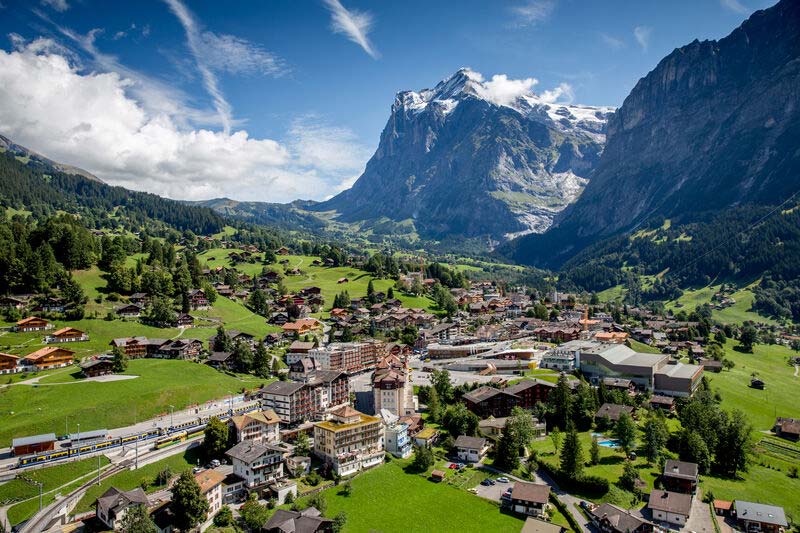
608, 443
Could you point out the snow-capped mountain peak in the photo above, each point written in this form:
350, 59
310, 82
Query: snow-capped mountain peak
551, 105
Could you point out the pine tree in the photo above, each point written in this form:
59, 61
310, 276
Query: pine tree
655, 438
120, 361
594, 451
261, 361
507, 454
572, 455
434, 405
625, 432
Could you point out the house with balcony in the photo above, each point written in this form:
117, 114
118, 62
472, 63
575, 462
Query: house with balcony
350, 441
257, 464
396, 438
258, 427
66, 335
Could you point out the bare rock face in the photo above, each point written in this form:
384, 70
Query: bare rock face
456, 160
715, 124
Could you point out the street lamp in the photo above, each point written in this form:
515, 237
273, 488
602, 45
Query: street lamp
171, 420
79, 440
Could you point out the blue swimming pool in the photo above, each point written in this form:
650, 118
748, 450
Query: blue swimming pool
608, 443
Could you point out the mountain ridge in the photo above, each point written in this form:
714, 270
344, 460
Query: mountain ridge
715, 124
466, 159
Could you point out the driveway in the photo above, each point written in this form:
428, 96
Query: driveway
700, 520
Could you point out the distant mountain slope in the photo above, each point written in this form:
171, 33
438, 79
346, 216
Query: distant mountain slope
715, 124
458, 160
288, 216
7, 144
28, 185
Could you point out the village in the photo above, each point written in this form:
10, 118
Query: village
486, 393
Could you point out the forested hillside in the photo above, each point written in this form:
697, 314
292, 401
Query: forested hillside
740, 244
43, 192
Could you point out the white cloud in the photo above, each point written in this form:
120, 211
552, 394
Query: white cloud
612, 42
354, 24
58, 5
533, 12
504, 91
91, 120
561, 94
736, 6
642, 35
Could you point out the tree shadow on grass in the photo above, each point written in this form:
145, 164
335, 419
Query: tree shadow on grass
611, 460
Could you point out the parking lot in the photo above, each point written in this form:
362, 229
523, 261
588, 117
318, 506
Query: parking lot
493, 492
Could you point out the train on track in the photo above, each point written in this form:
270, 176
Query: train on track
163, 437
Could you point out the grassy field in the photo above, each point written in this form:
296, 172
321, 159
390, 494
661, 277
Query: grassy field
735, 314
130, 479
761, 406
64, 477
617, 292
326, 278
760, 484
610, 466
51, 477
389, 499
31, 410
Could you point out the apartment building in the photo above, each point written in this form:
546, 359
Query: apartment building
295, 402
350, 441
260, 427
350, 357
257, 464
391, 386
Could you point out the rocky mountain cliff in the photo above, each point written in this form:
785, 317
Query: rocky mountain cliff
715, 124
461, 160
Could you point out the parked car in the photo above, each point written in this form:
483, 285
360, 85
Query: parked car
215, 463
502, 479
488, 482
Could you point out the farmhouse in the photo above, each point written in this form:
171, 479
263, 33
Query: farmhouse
49, 357
97, 367
787, 428
32, 323
198, 299
9, 364
130, 311
67, 335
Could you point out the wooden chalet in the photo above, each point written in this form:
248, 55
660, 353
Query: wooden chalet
49, 357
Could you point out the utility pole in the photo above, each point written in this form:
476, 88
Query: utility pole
171, 411
137, 455
79, 440
98, 470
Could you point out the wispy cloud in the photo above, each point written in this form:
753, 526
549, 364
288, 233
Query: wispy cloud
735, 5
353, 24
532, 12
228, 53
195, 42
611, 41
58, 5
642, 35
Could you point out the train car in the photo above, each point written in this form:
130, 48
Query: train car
169, 440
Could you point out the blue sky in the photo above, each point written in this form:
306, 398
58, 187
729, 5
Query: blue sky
278, 99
